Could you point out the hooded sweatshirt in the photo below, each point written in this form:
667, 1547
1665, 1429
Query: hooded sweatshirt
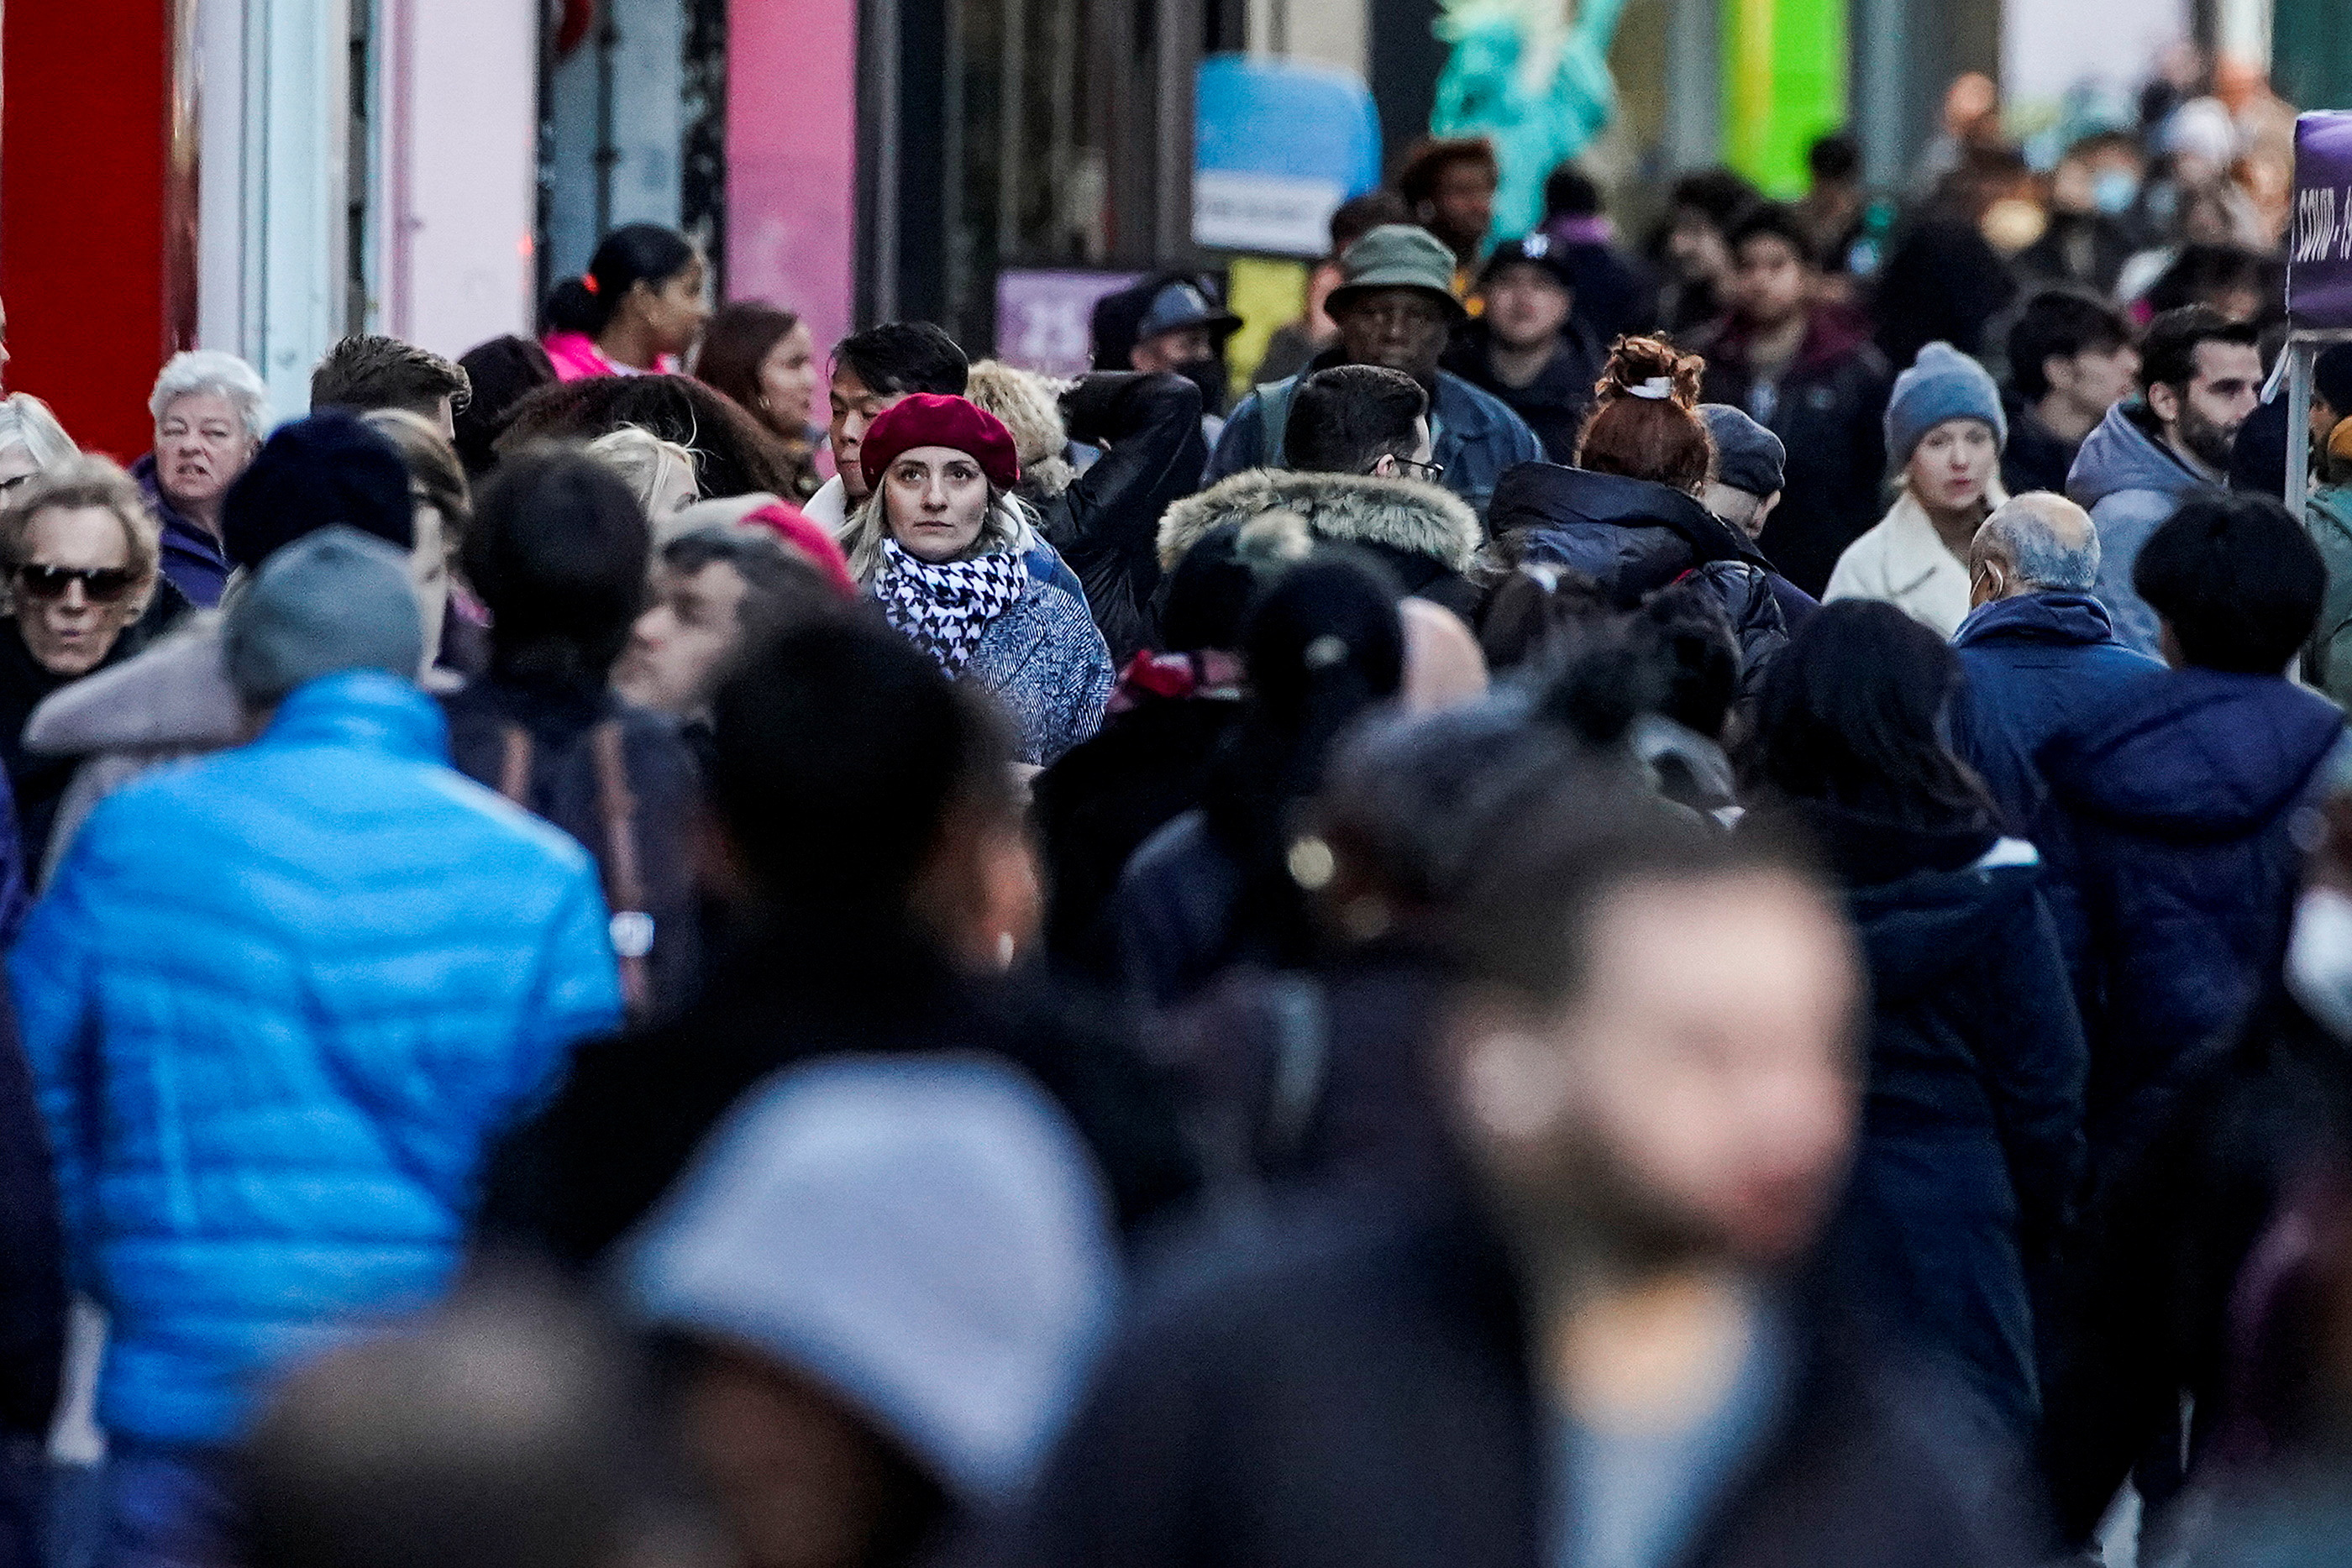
2181, 801
2131, 483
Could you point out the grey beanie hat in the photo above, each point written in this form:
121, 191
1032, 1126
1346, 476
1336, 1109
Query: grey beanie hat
1942, 384
332, 601
1747, 455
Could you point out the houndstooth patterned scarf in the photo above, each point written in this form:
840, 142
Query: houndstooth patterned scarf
944, 609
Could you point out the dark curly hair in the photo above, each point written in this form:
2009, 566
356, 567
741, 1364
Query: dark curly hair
735, 455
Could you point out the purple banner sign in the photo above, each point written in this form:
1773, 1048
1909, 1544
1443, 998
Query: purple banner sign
1044, 321
2319, 242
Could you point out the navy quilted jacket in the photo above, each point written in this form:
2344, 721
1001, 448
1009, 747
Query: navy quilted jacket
2180, 802
276, 1004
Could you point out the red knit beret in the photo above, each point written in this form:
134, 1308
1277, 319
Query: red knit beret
931, 419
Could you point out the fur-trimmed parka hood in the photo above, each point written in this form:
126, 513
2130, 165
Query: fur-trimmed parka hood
1402, 514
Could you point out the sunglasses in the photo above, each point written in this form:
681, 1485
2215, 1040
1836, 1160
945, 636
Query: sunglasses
102, 584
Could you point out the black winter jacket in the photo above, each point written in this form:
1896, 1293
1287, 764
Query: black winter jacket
2179, 802
1554, 404
1826, 407
1971, 1155
1095, 806
637, 1105
664, 784
1107, 524
1633, 537
1348, 1388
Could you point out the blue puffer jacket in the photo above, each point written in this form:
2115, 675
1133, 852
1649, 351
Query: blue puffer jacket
2180, 802
276, 1003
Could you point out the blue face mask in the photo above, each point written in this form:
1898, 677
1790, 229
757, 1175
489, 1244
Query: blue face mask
2114, 191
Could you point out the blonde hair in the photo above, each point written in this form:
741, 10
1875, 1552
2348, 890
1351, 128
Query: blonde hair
79, 482
26, 420
1004, 529
642, 460
1030, 406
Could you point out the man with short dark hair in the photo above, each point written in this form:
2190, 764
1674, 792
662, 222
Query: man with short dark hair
1395, 308
1359, 419
2070, 361
368, 371
1813, 378
2200, 375
1527, 348
873, 371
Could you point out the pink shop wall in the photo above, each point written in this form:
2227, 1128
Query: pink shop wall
791, 159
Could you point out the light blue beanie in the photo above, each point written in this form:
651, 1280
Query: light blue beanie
1942, 384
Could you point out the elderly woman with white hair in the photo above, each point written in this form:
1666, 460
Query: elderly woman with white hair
211, 412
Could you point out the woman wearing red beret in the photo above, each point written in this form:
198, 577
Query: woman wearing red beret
939, 540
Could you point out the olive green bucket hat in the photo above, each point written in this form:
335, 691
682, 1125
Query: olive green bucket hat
1396, 255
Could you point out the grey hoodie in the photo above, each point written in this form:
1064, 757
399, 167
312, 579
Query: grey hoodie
2131, 483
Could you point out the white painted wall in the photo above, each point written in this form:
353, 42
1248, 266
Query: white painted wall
272, 119
2049, 45
456, 209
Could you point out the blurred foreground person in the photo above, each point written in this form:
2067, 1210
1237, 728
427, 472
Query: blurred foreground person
499, 374
1600, 1358
1972, 1128
882, 1282
398, 965
557, 553
508, 1430
886, 933
1215, 887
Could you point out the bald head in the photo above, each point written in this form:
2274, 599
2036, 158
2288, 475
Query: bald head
2033, 543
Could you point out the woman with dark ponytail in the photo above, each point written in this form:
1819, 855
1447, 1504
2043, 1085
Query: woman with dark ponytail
637, 307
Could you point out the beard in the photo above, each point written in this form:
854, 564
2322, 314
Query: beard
1585, 1200
2206, 441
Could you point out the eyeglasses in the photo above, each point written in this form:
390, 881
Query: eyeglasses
1430, 472
102, 584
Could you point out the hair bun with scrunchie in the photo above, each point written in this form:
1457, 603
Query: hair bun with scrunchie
1651, 368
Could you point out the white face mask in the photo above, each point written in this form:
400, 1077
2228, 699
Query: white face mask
2319, 959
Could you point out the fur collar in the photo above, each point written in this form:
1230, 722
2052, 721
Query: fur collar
1338, 509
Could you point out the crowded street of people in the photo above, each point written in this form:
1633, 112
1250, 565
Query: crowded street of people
1593, 871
